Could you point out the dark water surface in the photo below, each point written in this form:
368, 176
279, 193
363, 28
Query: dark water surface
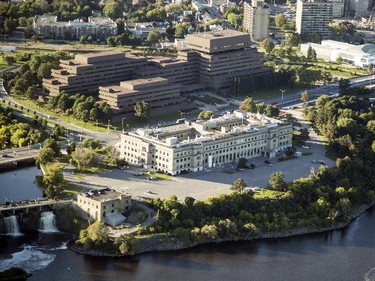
343, 255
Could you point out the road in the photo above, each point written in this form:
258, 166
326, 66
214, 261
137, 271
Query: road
77, 133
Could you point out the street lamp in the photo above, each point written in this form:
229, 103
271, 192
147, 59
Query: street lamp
109, 122
282, 94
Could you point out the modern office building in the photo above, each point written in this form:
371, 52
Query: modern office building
203, 144
357, 55
220, 57
157, 92
86, 72
105, 205
175, 70
256, 20
212, 60
313, 16
97, 27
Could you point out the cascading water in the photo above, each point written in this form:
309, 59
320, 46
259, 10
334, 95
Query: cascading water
11, 226
47, 222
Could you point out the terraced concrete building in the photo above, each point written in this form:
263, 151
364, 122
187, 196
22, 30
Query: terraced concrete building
86, 72
157, 92
203, 144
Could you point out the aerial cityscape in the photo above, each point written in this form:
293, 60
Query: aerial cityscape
187, 140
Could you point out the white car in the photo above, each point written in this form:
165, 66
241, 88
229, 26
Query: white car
304, 146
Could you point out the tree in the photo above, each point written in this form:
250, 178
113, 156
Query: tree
305, 96
10, 60
280, 20
83, 158
339, 60
54, 145
142, 110
311, 54
205, 114
267, 45
113, 9
248, 105
271, 111
153, 37
344, 86
239, 185
53, 180
181, 29
277, 182
45, 156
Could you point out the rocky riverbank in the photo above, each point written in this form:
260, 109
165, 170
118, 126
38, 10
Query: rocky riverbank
159, 243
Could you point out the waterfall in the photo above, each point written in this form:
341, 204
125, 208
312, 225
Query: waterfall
47, 223
11, 226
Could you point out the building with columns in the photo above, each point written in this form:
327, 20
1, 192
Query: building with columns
203, 144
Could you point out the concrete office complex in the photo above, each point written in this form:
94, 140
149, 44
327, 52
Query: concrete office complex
195, 146
213, 60
175, 70
98, 27
104, 205
86, 72
256, 20
357, 55
313, 16
158, 92
222, 56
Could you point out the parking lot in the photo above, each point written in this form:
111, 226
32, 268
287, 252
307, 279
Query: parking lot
214, 181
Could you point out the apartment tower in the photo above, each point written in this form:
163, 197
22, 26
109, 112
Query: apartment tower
313, 16
256, 19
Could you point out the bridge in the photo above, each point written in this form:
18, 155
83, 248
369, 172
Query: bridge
29, 204
13, 156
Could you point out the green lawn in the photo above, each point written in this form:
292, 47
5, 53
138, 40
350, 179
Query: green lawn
268, 194
270, 94
159, 176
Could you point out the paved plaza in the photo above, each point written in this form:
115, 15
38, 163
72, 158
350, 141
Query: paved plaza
201, 185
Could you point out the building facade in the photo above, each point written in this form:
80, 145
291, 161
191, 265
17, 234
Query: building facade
220, 57
313, 16
97, 27
157, 92
86, 72
195, 146
212, 60
256, 20
102, 204
357, 55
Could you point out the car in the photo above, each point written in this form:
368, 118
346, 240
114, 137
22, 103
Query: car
314, 161
321, 162
7, 156
151, 178
305, 147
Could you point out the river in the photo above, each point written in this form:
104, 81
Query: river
344, 255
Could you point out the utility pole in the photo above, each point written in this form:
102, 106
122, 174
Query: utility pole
282, 94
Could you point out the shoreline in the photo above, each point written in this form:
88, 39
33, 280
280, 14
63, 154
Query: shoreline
173, 244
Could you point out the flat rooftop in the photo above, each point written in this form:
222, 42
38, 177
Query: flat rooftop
105, 194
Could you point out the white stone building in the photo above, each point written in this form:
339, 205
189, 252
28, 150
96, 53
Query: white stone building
357, 55
203, 144
105, 205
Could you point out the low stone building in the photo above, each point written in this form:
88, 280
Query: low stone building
105, 205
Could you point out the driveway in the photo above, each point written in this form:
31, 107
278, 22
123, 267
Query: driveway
211, 182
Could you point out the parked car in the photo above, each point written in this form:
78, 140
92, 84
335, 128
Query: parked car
321, 162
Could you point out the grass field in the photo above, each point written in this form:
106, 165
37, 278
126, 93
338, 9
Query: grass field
268, 194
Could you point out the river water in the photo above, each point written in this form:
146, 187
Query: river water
344, 255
